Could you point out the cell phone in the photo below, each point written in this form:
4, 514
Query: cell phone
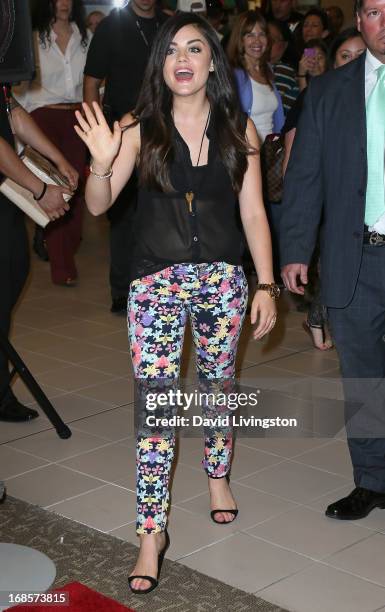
311, 52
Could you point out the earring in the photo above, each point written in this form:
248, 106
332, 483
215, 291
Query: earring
211, 69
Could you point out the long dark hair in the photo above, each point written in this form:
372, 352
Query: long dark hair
43, 15
340, 40
243, 25
155, 104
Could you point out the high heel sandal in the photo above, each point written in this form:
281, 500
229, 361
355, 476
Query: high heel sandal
308, 329
233, 512
154, 581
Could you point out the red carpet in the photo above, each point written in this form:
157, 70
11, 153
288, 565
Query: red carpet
80, 599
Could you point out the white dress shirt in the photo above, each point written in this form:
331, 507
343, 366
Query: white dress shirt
371, 65
59, 77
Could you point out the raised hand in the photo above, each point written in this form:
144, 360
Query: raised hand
103, 144
307, 65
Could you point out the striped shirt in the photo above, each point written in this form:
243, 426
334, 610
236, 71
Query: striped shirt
284, 76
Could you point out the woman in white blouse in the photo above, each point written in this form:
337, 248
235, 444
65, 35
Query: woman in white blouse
61, 44
248, 51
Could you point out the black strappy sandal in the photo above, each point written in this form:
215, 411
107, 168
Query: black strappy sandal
214, 512
233, 512
308, 329
154, 581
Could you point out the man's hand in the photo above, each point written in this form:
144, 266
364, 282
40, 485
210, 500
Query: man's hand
53, 202
292, 273
70, 173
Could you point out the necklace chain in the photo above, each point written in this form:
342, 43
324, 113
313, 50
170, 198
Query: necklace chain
203, 136
190, 195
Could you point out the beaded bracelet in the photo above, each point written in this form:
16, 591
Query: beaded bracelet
101, 176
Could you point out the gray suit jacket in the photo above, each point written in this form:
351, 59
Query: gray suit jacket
326, 179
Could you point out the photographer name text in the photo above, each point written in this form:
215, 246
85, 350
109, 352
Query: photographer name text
220, 421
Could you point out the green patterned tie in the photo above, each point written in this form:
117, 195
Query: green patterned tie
375, 129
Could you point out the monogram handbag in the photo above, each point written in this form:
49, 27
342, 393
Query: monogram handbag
272, 156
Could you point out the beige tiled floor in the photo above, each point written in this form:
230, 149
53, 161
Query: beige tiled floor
281, 547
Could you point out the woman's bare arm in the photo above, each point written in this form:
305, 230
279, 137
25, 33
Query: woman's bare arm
257, 233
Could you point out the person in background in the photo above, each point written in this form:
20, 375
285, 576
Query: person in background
61, 43
315, 25
312, 66
314, 62
93, 20
118, 56
284, 73
336, 173
248, 52
316, 322
14, 248
284, 10
347, 46
336, 19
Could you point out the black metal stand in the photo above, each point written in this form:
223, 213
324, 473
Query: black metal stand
21, 369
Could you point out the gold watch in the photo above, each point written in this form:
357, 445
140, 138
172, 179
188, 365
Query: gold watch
272, 289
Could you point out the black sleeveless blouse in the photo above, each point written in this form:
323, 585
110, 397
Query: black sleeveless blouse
167, 233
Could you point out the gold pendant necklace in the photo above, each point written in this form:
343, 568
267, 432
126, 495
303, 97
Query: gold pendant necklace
189, 199
189, 195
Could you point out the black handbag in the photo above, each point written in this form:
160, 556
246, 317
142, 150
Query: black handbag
272, 156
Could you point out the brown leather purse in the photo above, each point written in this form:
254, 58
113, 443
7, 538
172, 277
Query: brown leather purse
272, 156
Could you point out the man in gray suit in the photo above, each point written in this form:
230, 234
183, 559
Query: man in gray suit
335, 179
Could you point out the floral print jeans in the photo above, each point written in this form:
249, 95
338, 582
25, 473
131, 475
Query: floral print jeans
214, 297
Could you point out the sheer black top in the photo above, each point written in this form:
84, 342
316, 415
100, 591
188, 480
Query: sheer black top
165, 230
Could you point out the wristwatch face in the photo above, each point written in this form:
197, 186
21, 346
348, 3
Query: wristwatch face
272, 289
275, 292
